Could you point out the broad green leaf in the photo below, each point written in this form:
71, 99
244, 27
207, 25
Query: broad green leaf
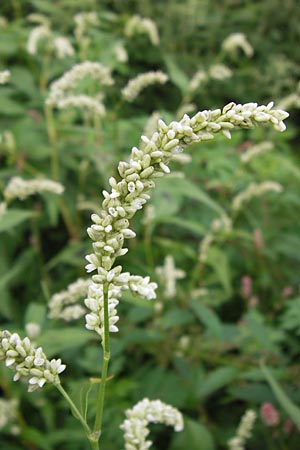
36, 437
209, 318
194, 227
36, 313
13, 217
187, 188
195, 436
175, 317
178, 77
261, 332
56, 341
216, 380
290, 408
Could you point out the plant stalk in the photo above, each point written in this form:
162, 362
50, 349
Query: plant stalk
105, 361
74, 409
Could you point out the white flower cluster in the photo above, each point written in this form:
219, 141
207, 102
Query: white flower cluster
120, 53
135, 426
33, 330
63, 47
169, 274
83, 21
116, 282
37, 34
223, 224
85, 102
4, 76
29, 363
3, 208
111, 227
290, 101
3, 22
21, 189
256, 150
140, 82
142, 25
255, 190
198, 79
61, 94
215, 72
62, 305
8, 411
95, 303
151, 124
39, 18
237, 41
219, 72
149, 215
243, 432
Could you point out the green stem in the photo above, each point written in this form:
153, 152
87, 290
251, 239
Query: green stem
105, 361
53, 141
74, 409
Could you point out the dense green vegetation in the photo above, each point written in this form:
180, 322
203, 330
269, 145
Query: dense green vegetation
222, 336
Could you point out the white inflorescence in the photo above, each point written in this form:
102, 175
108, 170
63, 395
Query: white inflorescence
169, 274
255, 190
63, 305
243, 432
83, 21
223, 224
256, 150
142, 25
29, 363
198, 79
135, 426
37, 34
8, 411
61, 91
117, 281
33, 330
219, 72
111, 227
82, 102
21, 189
4, 76
235, 41
120, 53
63, 47
137, 84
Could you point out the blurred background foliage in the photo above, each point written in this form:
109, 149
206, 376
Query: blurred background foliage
199, 349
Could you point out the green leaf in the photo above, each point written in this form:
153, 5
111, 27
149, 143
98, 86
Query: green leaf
36, 437
194, 227
218, 260
178, 77
175, 317
35, 313
215, 381
195, 436
13, 217
261, 332
186, 188
55, 341
209, 318
84, 398
290, 408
